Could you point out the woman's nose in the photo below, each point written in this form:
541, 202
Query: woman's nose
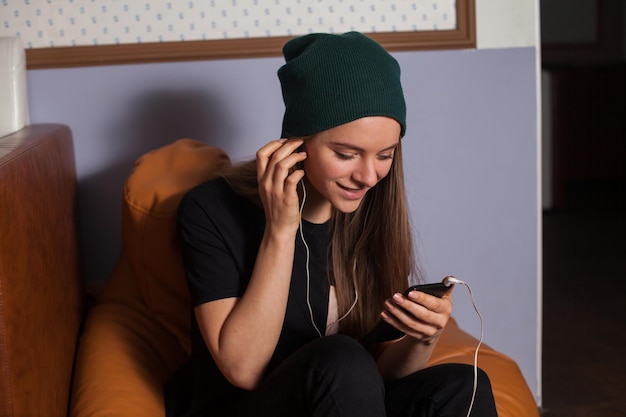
366, 173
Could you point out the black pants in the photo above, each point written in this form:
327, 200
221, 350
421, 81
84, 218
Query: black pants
336, 376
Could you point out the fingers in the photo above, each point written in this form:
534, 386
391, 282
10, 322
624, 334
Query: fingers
264, 154
419, 315
432, 303
278, 154
275, 163
278, 183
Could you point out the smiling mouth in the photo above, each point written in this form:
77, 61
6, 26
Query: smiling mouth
353, 193
351, 188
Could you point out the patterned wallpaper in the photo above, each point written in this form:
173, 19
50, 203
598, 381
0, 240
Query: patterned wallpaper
49, 23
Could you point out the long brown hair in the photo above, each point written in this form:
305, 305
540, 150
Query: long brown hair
371, 250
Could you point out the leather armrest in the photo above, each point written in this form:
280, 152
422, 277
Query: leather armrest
40, 285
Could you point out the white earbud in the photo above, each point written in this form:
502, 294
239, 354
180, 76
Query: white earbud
450, 280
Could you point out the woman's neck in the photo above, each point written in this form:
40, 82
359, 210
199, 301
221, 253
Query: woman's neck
316, 208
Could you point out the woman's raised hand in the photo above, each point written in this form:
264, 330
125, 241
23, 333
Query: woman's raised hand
278, 182
233, 326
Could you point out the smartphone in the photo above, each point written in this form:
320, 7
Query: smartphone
383, 332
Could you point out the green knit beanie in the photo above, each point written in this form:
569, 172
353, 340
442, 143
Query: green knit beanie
329, 80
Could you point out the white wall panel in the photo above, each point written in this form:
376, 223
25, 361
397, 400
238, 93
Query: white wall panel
506, 23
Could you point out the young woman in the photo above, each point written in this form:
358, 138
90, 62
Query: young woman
293, 257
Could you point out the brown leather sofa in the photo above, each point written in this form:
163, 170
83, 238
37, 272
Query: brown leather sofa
41, 296
136, 334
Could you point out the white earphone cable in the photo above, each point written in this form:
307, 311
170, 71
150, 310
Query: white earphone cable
480, 341
308, 274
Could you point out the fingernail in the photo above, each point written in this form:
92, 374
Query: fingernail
398, 297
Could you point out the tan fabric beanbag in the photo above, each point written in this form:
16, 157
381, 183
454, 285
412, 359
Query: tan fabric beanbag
137, 333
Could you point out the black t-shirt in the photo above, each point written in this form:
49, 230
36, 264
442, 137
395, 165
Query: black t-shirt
221, 233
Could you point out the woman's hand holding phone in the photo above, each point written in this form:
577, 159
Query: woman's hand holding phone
421, 312
278, 183
418, 314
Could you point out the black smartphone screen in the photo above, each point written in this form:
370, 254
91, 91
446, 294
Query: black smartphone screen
438, 289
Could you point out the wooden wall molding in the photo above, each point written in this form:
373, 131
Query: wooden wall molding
463, 37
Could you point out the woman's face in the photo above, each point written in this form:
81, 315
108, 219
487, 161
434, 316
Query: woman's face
344, 162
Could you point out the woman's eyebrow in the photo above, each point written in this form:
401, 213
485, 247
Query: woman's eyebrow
358, 149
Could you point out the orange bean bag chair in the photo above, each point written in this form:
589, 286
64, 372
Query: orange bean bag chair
137, 333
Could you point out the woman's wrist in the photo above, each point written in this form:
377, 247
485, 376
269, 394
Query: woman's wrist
279, 236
